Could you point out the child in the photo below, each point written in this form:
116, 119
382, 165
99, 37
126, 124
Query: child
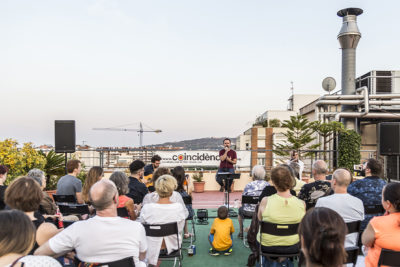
220, 236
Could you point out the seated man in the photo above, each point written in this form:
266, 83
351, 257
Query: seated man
350, 208
137, 189
253, 188
369, 189
312, 191
103, 238
69, 184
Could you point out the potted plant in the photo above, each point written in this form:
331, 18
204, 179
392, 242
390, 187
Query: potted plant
198, 182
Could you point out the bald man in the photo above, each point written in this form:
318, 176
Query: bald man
103, 238
350, 208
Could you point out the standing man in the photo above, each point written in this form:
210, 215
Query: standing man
69, 184
228, 158
150, 168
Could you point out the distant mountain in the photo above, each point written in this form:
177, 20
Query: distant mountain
211, 143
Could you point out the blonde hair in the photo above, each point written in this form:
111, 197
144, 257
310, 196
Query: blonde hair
165, 185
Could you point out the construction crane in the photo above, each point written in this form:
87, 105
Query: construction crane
140, 131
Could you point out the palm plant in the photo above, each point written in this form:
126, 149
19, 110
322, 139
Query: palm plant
55, 166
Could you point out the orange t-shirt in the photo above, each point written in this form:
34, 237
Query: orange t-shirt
387, 235
222, 230
122, 201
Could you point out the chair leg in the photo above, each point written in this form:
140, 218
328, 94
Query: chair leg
193, 231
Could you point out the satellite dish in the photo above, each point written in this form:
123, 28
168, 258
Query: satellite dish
328, 84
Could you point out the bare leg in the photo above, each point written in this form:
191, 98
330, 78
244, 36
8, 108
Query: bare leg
240, 224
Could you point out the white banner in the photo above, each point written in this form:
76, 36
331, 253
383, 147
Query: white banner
199, 158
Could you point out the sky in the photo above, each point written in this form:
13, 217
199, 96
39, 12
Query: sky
190, 68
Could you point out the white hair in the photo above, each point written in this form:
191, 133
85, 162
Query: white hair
36, 175
258, 172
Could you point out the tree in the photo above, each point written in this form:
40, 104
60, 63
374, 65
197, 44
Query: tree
349, 149
326, 130
274, 123
298, 136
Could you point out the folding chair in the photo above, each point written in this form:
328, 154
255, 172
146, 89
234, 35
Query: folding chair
352, 254
373, 209
248, 200
389, 258
64, 199
188, 201
278, 230
68, 209
163, 230
126, 262
123, 212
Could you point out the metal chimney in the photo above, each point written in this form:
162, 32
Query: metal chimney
348, 37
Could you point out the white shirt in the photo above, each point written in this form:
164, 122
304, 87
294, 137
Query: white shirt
350, 208
38, 261
154, 213
102, 239
175, 197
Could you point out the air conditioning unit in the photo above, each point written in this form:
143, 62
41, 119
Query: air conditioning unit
380, 82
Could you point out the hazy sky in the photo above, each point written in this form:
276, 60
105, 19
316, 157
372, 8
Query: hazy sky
191, 68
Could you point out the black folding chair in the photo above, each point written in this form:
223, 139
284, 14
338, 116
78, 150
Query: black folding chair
389, 258
248, 200
126, 262
373, 209
163, 230
75, 209
188, 201
67, 223
352, 254
64, 199
278, 230
123, 212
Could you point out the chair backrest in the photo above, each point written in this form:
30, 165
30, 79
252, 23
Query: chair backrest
67, 223
122, 212
161, 230
187, 200
352, 254
389, 258
278, 229
250, 199
353, 227
64, 198
126, 262
373, 209
73, 209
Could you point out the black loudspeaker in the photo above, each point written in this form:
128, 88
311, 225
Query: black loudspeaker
64, 136
389, 138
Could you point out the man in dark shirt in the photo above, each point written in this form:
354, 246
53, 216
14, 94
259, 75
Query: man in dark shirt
150, 169
228, 158
3, 177
137, 189
312, 191
369, 189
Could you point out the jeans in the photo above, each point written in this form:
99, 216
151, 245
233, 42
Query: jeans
269, 263
220, 180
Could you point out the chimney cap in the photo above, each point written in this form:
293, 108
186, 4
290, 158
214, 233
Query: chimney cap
350, 11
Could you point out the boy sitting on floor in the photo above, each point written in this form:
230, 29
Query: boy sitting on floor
220, 236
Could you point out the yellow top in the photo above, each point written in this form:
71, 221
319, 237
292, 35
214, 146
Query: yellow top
282, 210
222, 230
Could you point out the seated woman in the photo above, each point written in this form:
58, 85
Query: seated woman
121, 181
162, 212
17, 238
281, 208
47, 206
322, 233
179, 174
94, 175
384, 231
24, 194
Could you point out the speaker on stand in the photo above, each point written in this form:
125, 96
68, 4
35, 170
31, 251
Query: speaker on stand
65, 137
389, 146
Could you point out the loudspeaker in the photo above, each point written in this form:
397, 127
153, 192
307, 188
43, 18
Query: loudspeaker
389, 138
64, 136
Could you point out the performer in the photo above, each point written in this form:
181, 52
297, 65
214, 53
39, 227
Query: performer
228, 158
150, 169
294, 157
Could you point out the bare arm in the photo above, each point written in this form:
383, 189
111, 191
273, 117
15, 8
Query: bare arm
45, 232
79, 198
223, 157
233, 161
263, 204
142, 256
45, 250
368, 237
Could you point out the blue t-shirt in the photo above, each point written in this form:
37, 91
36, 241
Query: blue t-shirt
69, 185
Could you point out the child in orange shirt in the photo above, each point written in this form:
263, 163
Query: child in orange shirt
220, 236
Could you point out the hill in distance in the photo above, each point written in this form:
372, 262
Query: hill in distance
208, 143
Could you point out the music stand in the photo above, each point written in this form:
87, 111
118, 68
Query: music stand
227, 177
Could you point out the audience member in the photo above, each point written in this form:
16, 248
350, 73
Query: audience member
151, 168
369, 189
103, 238
254, 188
17, 238
3, 177
162, 212
269, 190
24, 194
312, 191
179, 174
69, 184
94, 175
47, 206
157, 174
281, 208
137, 189
384, 231
221, 231
322, 232
121, 182
350, 208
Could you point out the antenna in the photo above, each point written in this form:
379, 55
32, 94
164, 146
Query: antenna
292, 88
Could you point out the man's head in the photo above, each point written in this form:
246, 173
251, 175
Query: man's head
222, 212
373, 168
104, 195
341, 179
319, 170
137, 168
73, 167
155, 160
258, 172
227, 142
3, 173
